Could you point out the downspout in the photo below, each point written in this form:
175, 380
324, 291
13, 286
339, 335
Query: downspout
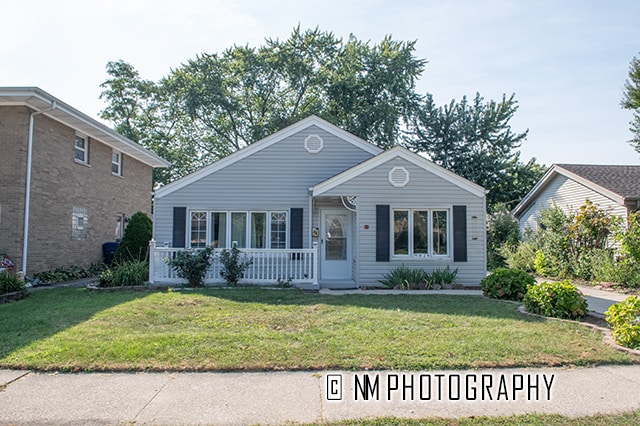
27, 197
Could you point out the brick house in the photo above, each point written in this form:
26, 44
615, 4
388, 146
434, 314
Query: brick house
74, 180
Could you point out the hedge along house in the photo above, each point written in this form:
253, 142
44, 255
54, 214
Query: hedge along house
321, 207
67, 182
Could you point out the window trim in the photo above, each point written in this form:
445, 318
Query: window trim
228, 226
118, 163
84, 149
410, 238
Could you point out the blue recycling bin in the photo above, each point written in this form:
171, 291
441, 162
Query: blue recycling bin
109, 251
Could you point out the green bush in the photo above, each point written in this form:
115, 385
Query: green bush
405, 278
502, 229
11, 283
519, 256
624, 318
127, 274
510, 284
233, 265
67, 274
442, 276
135, 242
556, 299
630, 238
192, 265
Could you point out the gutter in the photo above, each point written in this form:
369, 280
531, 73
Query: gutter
27, 197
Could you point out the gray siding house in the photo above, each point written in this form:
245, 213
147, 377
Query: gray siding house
611, 187
323, 208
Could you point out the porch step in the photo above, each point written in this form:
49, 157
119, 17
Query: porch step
343, 284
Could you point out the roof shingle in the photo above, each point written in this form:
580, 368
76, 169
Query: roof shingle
622, 180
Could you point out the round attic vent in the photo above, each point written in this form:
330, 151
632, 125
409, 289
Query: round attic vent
398, 177
313, 144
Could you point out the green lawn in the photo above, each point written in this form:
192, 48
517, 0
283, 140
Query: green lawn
258, 329
624, 419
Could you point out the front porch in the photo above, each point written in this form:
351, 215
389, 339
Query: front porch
298, 267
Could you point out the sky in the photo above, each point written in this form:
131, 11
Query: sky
565, 61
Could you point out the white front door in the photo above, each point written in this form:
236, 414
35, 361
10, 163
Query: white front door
335, 240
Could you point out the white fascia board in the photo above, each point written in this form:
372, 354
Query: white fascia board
533, 193
591, 185
548, 177
38, 99
407, 155
265, 143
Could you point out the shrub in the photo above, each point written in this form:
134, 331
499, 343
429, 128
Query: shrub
405, 278
135, 242
519, 257
68, 274
442, 276
192, 265
556, 299
630, 239
502, 230
127, 274
624, 318
510, 284
233, 265
10, 283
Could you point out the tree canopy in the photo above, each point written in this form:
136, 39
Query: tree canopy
217, 103
631, 100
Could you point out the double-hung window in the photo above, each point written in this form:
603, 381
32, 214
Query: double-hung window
81, 150
421, 232
116, 163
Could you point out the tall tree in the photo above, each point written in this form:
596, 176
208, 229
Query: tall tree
631, 100
216, 104
474, 139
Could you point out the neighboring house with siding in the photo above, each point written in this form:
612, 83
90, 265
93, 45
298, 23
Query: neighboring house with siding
67, 182
609, 187
319, 206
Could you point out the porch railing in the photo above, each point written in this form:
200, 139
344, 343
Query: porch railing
268, 266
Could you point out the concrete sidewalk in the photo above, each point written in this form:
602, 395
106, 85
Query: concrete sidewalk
280, 397
600, 300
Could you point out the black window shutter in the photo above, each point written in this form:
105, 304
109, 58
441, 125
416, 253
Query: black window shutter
459, 233
179, 226
383, 237
296, 232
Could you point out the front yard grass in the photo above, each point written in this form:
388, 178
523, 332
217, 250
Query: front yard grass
259, 329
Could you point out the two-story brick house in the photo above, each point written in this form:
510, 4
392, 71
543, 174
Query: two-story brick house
68, 183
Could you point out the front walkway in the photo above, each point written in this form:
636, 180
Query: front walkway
600, 300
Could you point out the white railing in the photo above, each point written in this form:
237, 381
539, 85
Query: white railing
268, 266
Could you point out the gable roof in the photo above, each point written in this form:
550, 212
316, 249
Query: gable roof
264, 143
405, 154
39, 100
619, 183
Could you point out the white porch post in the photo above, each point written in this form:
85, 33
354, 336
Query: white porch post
152, 260
316, 261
